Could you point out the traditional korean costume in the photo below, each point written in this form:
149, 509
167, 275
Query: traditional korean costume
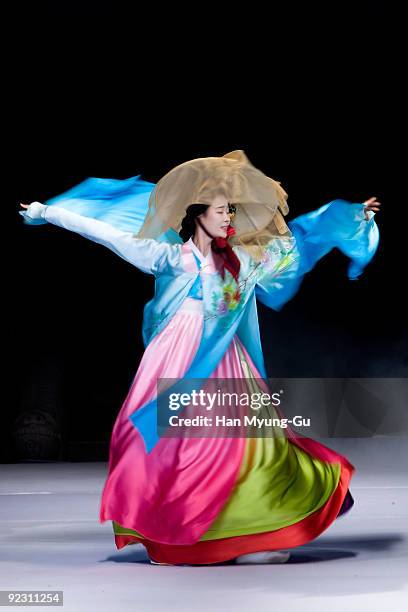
207, 500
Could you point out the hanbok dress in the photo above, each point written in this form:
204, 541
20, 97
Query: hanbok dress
209, 500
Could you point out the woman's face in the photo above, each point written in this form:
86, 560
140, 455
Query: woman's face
216, 218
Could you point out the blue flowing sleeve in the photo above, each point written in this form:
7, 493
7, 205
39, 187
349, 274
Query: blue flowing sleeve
110, 212
147, 254
339, 224
122, 203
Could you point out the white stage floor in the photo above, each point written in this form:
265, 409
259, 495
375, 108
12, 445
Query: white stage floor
51, 539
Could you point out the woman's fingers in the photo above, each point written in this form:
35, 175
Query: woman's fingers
372, 204
24, 205
371, 201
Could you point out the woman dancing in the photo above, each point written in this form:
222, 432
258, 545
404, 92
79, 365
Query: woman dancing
212, 233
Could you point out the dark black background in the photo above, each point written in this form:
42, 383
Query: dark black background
311, 93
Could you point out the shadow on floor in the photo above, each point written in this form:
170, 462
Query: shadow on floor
328, 549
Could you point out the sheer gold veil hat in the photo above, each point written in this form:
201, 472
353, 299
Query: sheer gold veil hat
260, 201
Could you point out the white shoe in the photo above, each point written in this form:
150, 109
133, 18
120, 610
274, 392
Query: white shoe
157, 563
264, 556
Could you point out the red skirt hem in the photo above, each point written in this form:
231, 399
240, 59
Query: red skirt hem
225, 549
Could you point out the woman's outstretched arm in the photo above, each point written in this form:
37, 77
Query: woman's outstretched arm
147, 254
340, 224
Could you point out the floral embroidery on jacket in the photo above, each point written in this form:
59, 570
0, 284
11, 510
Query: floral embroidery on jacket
226, 300
277, 260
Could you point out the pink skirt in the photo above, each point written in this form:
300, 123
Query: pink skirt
187, 500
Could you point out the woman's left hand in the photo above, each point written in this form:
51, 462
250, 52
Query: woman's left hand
371, 204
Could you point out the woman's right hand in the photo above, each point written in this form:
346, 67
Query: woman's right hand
34, 212
371, 204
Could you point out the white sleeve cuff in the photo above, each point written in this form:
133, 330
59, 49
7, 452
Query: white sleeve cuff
366, 215
36, 210
34, 214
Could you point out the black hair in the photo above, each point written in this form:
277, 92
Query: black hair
188, 225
